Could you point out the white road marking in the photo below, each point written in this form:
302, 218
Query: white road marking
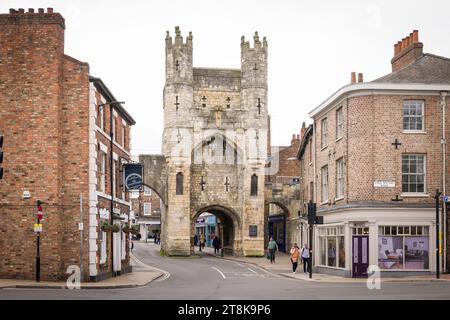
221, 273
166, 273
252, 271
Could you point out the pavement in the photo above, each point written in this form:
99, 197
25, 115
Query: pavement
283, 267
142, 275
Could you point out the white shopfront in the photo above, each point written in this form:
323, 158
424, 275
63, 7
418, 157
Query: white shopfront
400, 241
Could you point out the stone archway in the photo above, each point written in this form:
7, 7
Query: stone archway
228, 229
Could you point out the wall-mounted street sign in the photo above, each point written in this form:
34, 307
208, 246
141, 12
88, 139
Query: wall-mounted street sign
38, 227
253, 230
384, 184
446, 198
132, 176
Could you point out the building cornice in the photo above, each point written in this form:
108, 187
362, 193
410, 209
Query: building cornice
371, 88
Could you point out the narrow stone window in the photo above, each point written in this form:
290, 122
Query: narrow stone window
254, 185
179, 186
228, 103
177, 65
204, 101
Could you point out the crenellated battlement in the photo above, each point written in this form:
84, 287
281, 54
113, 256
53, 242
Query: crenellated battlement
178, 38
20, 16
257, 44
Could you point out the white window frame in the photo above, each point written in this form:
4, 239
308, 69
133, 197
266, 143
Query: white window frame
421, 117
102, 186
101, 116
324, 133
147, 191
325, 194
424, 174
339, 123
340, 187
147, 212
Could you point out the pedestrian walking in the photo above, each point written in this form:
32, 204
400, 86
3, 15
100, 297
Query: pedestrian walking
305, 258
195, 239
216, 244
132, 245
294, 254
272, 246
202, 241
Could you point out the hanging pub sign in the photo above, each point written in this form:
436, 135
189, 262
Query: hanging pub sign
132, 176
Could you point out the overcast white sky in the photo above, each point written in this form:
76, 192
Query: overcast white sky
313, 47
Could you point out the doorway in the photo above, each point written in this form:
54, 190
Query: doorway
360, 261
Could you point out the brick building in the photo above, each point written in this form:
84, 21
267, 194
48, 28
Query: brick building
147, 210
56, 148
377, 160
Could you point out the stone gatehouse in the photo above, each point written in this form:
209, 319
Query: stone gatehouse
215, 143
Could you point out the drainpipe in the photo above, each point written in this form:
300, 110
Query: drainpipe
444, 191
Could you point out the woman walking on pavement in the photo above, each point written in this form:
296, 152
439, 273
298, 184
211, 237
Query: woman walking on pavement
294, 253
272, 246
305, 258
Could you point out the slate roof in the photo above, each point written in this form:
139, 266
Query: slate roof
427, 69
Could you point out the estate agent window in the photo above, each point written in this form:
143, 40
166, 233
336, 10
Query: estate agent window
403, 247
413, 115
332, 247
413, 173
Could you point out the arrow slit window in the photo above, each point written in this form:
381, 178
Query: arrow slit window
254, 185
179, 183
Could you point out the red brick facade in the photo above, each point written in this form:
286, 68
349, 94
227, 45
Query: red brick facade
44, 118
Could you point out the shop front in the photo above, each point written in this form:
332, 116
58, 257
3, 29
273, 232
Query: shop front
399, 242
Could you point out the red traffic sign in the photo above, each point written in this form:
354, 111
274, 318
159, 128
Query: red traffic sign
39, 213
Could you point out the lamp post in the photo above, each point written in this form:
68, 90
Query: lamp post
111, 159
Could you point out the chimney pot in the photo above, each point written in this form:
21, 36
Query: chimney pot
404, 45
41, 10
12, 10
360, 77
49, 10
415, 36
353, 77
21, 10
30, 10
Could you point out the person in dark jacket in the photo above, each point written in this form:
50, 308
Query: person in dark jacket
216, 244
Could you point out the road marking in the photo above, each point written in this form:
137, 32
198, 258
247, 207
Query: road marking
252, 271
240, 265
221, 273
164, 277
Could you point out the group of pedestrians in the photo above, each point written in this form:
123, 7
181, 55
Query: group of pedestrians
295, 254
200, 241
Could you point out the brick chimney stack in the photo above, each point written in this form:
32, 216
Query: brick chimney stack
302, 130
407, 51
360, 77
353, 77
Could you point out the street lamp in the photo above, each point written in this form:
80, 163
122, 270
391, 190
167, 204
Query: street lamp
111, 159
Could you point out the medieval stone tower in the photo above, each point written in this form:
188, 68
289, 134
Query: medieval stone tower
215, 147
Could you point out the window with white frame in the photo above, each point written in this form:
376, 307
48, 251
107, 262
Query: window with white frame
123, 136
324, 128
413, 115
332, 247
102, 171
339, 123
101, 117
324, 172
147, 208
404, 247
340, 178
413, 173
102, 238
147, 191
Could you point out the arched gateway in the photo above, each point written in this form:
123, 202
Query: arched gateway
214, 148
